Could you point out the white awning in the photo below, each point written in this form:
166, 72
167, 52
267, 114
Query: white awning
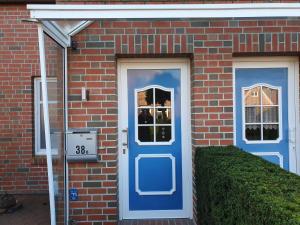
92, 12
63, 21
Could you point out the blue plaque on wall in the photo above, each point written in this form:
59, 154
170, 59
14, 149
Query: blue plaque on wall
73, 194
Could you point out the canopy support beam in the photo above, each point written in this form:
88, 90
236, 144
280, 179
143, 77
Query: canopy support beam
41, 39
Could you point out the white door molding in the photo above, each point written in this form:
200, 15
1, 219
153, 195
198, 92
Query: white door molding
184, 65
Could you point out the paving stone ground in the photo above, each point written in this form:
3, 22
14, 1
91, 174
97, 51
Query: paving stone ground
35, 211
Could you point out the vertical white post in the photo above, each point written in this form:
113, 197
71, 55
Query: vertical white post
66, 128
46, 122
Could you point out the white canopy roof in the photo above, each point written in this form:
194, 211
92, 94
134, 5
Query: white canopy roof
67, 20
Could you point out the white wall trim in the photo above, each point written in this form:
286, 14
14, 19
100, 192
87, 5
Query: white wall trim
143, 156
277, 154
292, 63
157, 63
273, 10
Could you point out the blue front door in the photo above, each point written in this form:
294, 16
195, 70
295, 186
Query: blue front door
262, 113
154, 141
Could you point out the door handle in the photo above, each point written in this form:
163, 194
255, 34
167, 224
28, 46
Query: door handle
125, 131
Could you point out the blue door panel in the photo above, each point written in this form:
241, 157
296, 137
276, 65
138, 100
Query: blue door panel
272, 159
246, 77
155, 174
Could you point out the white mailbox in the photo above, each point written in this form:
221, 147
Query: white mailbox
82, 145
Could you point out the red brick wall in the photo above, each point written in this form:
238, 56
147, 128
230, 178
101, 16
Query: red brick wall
212, 44
20, 171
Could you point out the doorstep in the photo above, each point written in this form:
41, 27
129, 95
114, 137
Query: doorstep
157, 222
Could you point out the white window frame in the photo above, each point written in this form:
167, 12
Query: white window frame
154, 142
261, 122
37, 116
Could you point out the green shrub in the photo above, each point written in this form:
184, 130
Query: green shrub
237, 188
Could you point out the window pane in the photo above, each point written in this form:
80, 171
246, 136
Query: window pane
145, 98
269, 96
270, 114
163, 133
252, 114
163, 116
270, 132
42, 129
145, 116
146, 134
253, 132
54, 132
52, 91
252, 96
162, 98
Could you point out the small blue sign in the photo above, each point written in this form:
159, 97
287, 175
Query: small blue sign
73, 194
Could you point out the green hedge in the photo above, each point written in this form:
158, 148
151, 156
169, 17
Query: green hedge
237, 188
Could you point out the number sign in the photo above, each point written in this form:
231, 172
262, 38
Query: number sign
82, 146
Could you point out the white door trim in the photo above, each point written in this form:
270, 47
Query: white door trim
184, 65
292, 63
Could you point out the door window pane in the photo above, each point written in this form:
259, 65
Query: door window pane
253, 132
270, 131
270, 114
145, 116
161, 111
162, 98
163, 133
146, 133
252, 114
145, 98
252, 96
269, 96
261, 108
163, 116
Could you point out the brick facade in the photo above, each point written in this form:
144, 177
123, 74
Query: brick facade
20, 172
210, 45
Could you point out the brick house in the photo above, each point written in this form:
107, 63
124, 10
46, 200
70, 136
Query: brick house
154, 81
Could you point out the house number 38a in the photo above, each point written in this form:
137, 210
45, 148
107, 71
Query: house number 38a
80, 149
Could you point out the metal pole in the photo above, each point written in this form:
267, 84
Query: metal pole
46, 123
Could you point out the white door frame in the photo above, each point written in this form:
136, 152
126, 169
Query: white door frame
292, 63
184, 65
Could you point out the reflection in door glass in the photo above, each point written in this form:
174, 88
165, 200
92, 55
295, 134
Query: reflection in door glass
162, 98
271, 132
261, 110
158, 113
145, 98
269, 96
253, 132
163, 116
146, 133
145, 116
270, 114
163, 133
252, 114
252, 96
